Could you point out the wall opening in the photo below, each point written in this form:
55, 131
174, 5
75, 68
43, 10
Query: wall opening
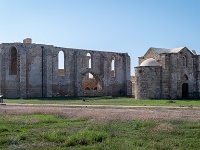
61, 63
113, 67
93, 83
87, 88
91, 76
185, 90
13, 61
185, 77
184, 61
88, 60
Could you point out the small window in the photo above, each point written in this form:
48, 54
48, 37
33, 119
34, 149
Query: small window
61, 64
185, 77
13, 62
184, 61
113, 67
88, 60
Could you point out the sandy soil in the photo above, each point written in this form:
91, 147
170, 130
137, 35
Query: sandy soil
105, 112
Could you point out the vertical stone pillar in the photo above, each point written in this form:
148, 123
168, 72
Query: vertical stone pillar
127, 75
0, 69
22, 76
75, 73
49, 72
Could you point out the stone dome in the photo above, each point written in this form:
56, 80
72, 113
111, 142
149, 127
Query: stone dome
150, 62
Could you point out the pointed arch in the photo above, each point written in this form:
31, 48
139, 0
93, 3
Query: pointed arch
13, 60
87, 88
61, 63
185, 77
88, 60
91, 83
184, 61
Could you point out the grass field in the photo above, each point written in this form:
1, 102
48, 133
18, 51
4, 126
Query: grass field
43, 131
59, 131
107, 100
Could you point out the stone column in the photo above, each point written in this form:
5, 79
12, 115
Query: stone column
22, 76
48, 73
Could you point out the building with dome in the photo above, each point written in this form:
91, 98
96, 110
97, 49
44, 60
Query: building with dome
167, 74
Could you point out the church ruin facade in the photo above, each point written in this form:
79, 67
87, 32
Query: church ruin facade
37, 70
167, 74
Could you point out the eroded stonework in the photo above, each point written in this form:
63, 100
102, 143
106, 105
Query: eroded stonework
167, 74
32, 70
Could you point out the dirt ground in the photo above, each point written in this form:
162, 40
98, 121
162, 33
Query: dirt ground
106, 112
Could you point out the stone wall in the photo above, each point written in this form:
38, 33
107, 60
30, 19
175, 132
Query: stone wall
177, 69
148, 82
38, 74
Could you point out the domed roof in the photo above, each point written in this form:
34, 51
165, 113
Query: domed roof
150, 62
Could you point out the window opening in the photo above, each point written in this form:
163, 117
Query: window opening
185, 77
91, 76
89, 60
184, 61
113, 67
61, 64
87, 88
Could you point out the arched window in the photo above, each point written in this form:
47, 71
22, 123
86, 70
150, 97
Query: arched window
61, 63
184, 61
89, 64
113, 67
185, 77
13, 61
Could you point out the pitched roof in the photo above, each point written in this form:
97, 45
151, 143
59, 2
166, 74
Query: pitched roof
172, 50
164, 50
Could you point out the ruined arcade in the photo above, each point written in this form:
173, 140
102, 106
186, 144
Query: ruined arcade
36, 70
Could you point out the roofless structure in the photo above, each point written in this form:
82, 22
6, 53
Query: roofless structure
38, 70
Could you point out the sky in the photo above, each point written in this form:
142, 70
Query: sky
127, 26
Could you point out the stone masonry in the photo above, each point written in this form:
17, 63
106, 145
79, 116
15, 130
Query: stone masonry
167, 74
32, 70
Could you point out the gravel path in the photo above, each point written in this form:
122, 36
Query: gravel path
106, 112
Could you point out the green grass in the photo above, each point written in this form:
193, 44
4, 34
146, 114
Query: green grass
40, 131
107, 100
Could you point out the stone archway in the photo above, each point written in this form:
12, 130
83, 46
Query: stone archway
91, 82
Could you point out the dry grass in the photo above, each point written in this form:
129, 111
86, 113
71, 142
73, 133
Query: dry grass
101, 113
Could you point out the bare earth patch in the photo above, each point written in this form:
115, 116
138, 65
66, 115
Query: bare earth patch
106, 113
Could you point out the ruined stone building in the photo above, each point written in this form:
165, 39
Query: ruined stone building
167, 74
37, 70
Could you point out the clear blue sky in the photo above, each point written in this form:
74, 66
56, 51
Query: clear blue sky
130, 26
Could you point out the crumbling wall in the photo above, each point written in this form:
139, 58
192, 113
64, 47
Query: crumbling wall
38, 74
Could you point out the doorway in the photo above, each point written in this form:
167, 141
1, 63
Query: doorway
185, 90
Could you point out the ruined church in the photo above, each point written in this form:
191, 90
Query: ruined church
38, 70
167, 74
